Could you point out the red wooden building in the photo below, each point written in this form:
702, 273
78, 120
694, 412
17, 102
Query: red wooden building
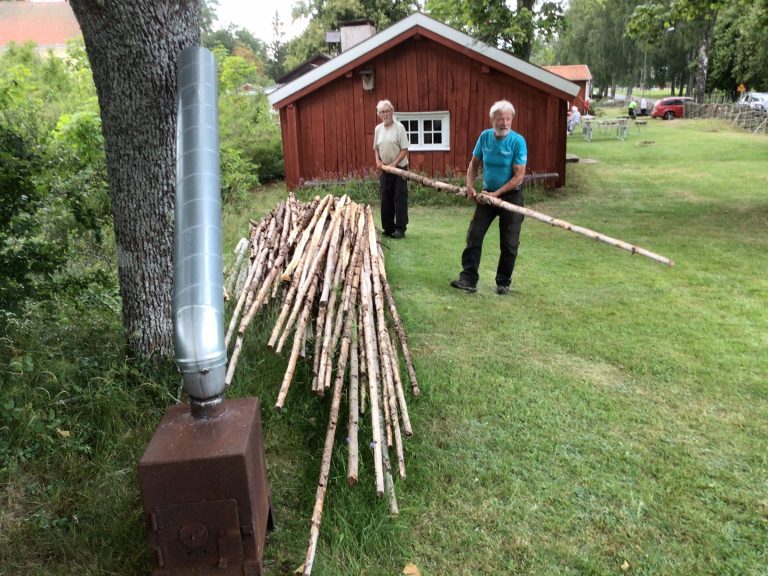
578, 74
442, 84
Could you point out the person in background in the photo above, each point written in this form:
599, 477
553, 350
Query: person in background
632, 108
574, 119
390, 146
502, 154
643, 106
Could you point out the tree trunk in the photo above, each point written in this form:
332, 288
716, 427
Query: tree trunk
700, 85
133, 48
526, 44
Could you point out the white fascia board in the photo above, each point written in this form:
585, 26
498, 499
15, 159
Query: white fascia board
341, 60
419, 19
500, 56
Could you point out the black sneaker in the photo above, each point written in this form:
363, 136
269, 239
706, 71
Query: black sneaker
387, 233
463, 285
502, 289
398, 234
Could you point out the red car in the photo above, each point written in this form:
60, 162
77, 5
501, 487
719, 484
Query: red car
670, 107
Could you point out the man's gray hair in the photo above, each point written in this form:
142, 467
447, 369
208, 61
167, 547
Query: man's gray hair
502, 106
384, 104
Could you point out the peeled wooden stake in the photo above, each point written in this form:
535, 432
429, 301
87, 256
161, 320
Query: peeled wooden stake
485, 199
325, 271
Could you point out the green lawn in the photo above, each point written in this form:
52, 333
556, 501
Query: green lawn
610, 410
607, 417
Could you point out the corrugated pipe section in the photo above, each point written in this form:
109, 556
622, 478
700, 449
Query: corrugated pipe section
198, 292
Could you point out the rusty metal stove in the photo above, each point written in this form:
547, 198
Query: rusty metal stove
203, 477
205, 492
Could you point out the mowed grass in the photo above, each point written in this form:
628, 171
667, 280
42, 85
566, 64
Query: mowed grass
609, 416
606, 417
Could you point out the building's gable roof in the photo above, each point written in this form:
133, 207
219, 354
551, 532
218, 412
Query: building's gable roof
304, 67
572, 72
47, 24
418, 23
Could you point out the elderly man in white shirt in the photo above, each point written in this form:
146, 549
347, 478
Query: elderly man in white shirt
574, 119
390, 146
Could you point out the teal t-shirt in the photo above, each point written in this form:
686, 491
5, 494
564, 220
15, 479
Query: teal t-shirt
499, 156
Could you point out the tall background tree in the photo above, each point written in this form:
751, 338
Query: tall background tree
278, 50
133, 48
326, 16
495, 23
740, 51
694, 18
596, 35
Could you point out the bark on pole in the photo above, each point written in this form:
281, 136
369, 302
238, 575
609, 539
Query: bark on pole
329, 338
354, 411
234, 268
241, 300
400, 394
258, 301
485, 199
363, 363
321, 212
297, 343
287, 302
401, 336
338, 255
387, 379
312, 277
326, 305
322, 483
371, 355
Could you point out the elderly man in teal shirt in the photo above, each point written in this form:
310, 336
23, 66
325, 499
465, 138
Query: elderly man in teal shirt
503, 155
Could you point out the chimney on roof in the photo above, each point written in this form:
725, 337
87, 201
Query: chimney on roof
351, 33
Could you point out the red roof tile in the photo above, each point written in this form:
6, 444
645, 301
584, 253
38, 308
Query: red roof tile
573, 72
44, 23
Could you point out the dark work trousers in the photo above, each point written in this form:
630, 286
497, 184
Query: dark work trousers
394, 202
509, 239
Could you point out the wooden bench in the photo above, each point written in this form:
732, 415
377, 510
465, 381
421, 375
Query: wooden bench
641, 124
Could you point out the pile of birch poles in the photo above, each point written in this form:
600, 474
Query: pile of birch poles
498, 203
322, 263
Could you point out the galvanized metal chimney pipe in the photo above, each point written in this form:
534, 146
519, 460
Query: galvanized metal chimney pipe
198, 291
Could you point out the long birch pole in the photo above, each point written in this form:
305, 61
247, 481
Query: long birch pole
354, 410
541, 217
371, 356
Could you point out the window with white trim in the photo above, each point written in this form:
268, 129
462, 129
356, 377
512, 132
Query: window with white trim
427, 130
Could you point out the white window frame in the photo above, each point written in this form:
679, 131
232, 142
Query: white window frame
445, 122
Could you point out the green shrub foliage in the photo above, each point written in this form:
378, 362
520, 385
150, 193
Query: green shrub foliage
66, 380
53, 183
25, 249
252, 150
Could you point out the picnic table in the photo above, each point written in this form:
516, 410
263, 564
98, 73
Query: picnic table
620, 125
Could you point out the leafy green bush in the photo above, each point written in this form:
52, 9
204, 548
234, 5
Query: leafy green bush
25, 249
77, 171
252, 152
53, 182
237, 173
266, 152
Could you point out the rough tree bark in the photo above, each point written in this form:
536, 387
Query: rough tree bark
133, 48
